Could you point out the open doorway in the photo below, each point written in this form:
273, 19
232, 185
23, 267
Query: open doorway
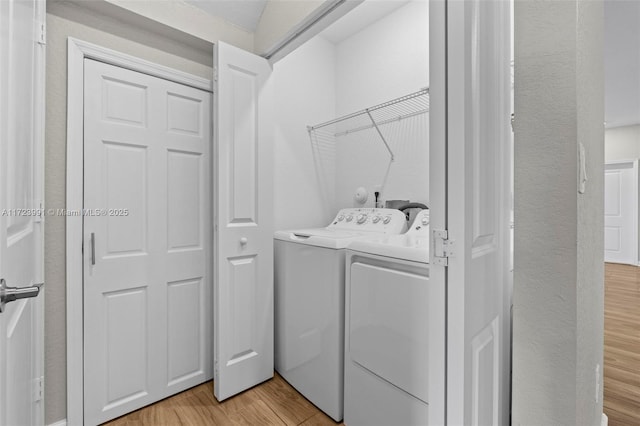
622, 274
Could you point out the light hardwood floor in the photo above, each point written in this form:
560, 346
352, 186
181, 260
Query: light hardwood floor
622, 345
273, 402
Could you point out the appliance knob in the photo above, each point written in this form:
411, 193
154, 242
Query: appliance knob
340, 218
386, 220
349, 218
376, 219
362, 218
425, 221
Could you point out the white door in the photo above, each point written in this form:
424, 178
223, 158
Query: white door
147, 285
21, 224
621, 212
472, 139
243, 209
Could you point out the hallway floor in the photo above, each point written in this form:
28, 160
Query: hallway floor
273, 402
622, 345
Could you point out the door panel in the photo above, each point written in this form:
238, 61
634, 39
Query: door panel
620, 213
21, 223
185, 115
125, 343
243, 285
147, 296
186, 356
478, 187
184, 220
125, 185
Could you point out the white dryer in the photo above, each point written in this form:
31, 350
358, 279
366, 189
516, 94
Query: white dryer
394, 332
309, 301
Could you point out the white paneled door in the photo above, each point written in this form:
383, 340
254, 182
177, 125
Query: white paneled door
243, 282
21, 216
147, 228
621, 212
472, 139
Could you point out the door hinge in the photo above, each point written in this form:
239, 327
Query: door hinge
39, 217
215, 369
215, 73
42, 36
38, 388
443, 247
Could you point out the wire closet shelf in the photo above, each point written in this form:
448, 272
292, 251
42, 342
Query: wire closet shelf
374, 117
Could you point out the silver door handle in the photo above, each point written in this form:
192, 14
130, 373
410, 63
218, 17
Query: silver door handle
10, 294
93, 248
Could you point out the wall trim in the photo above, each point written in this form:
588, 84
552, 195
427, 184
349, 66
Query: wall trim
77, 52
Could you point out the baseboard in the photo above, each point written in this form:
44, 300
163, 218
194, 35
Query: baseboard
605, 420
62, 422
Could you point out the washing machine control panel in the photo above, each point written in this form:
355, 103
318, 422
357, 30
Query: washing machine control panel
387, 221
420, 225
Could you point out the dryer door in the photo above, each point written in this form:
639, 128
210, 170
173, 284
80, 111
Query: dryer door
390, 324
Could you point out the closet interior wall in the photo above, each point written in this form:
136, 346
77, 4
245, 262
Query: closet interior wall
322, 80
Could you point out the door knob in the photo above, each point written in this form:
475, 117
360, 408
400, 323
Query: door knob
244, 241
10, 294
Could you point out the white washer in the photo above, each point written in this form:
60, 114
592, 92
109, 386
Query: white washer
394, 332
309, 301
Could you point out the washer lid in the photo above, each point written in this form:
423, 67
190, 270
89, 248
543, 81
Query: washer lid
321, 237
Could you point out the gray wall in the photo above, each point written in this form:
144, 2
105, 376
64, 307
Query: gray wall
64, 20
559, 249
622, 143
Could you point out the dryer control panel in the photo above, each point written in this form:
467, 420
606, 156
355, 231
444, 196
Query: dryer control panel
420, 225
387, 221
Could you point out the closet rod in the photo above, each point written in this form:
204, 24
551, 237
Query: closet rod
380, 123
368, 111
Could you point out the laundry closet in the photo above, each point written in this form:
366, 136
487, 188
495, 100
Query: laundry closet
327, 136
357, 331
377, 53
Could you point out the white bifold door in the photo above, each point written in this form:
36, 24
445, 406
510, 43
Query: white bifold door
147, 238
22, 63
621, 212
469, 190
243, 209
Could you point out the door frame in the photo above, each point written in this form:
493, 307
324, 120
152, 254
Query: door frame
77, 52
39, 81
636, 194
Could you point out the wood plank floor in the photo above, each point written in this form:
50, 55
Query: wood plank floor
622, 345
273, 402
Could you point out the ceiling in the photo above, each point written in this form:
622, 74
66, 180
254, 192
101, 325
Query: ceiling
622, 62
246, 14
243, 13
362, 16
622, 43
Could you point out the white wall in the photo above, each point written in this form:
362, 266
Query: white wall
320, 81
559, 249
386, 60
622, 143
190, 20
305, 93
